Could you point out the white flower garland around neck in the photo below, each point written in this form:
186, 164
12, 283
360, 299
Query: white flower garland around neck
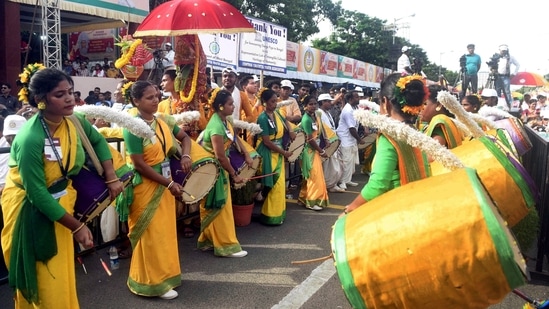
402, 132
186, 117
135, 125
252, 128
452, 105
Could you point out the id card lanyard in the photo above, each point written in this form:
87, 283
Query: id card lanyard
64, 169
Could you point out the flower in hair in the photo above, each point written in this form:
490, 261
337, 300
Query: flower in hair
260, 92
126, 91
400, 88
213, 95
24, 79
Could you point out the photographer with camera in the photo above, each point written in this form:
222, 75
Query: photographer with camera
169, 55
500, 67
403, 64
470, 65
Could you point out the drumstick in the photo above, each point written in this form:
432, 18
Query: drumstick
105, 267
192, 196
82, 263
261, 176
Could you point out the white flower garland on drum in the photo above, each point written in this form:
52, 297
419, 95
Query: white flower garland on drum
490, 124
402, 132
252, 128
494, 111
450, 102
135, 125
186, 117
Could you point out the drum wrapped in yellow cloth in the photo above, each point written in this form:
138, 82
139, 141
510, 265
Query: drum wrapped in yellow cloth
503, 136
239, 163
434, 243
200, 180
508, 183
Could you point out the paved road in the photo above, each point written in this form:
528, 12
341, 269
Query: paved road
266, 278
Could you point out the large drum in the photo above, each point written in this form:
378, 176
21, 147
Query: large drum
329, 143
296, 146
448, 249
92, 194
510, 186
516, 130
368, 140
202, 177
505, 138
238, 162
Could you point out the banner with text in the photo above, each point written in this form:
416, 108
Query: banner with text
265, 49
221, 49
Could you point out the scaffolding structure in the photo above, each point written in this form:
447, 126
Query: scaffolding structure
51, 33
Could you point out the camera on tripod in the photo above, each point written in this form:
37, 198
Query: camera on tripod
462, 62
493, 63
158, 53
417, 66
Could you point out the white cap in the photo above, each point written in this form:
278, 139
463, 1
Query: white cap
12, 124
488, 92
230, 70
286, 83
256, 79
324, 97
503, 47
405, 48
168, 44
360, 91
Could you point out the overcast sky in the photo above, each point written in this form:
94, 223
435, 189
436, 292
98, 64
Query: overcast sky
444, 35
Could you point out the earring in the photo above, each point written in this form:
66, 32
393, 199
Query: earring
438, 108
41, 105
221, 108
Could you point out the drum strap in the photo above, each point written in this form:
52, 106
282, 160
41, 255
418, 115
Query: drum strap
87, 144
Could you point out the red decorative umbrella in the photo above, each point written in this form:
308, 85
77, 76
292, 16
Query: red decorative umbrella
179, 17
528, 79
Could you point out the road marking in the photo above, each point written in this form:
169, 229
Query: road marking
304, 291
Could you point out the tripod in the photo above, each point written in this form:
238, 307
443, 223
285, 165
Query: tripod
155, 75
491, 82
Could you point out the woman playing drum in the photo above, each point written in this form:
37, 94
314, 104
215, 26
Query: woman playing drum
216, 213
38, 199
270, 148
313, 194
154, 268
396, 163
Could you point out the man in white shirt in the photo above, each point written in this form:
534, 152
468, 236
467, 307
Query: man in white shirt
241, 102
332, 165
403, 64
169, 55
348, 135
504, 73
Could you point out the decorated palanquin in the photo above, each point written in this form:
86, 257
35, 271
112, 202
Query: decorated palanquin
190, 82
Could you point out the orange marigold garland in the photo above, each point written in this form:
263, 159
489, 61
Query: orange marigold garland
185, 99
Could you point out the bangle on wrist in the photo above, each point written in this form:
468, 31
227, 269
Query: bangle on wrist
78, 228
170, 185
112, 181
186, 156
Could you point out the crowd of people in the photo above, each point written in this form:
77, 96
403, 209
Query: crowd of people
40, 188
